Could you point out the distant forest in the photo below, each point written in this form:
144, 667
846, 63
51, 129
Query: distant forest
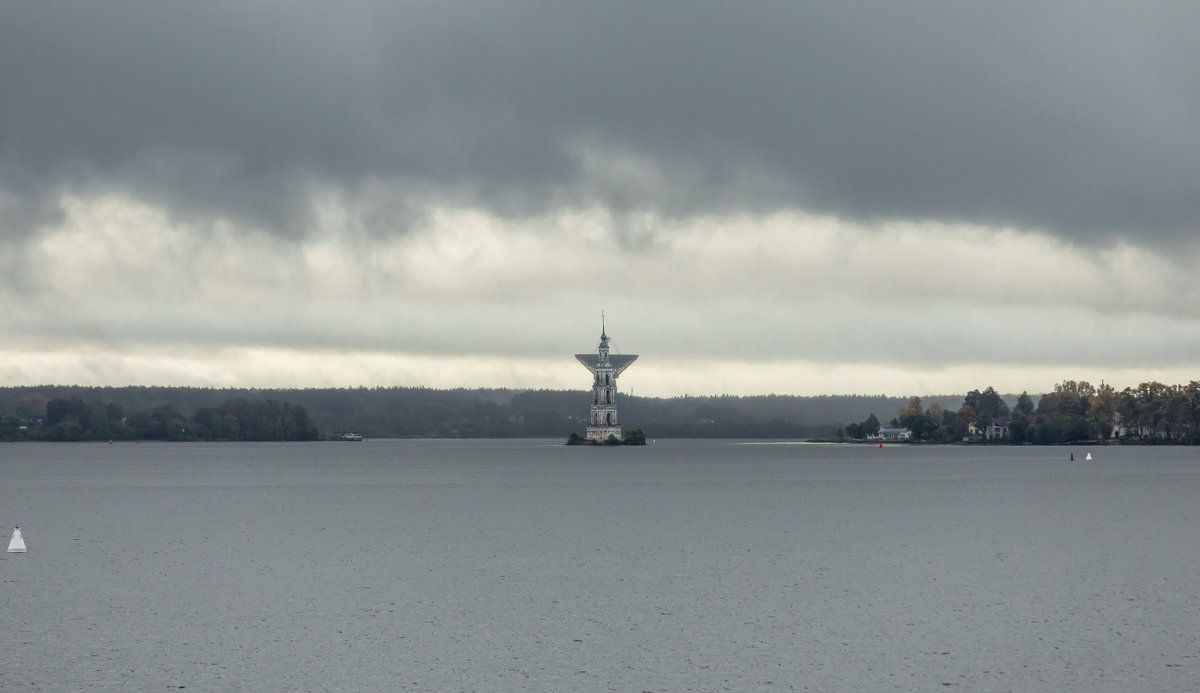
188, 413
1074, 411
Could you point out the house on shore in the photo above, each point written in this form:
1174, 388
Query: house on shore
997, 429
891, 433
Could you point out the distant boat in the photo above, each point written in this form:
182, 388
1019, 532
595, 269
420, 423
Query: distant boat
354, 437
17, 544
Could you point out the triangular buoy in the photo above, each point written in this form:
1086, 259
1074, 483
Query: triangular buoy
1088, 458
17, 545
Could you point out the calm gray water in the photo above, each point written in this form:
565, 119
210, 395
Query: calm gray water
528, 565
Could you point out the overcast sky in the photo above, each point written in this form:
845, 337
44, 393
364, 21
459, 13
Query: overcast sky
789, 197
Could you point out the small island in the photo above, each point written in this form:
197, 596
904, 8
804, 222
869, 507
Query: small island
634, 437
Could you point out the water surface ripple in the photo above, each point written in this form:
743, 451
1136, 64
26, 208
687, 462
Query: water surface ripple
529, 565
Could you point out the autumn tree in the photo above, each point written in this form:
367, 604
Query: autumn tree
1061, 415
988, 405
1150, 405
963, 419
1021, 426
913, 408
1103, 410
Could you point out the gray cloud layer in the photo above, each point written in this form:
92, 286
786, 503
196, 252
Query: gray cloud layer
1076, 118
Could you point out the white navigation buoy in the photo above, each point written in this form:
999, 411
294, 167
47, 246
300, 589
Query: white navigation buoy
1088, 458
17, 544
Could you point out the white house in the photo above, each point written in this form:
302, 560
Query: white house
997, 429
890, 433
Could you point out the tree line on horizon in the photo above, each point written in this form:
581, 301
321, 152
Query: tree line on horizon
1151, 412
1072, 411
415, 412
71, 419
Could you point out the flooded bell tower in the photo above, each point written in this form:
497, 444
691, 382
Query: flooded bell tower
605, 368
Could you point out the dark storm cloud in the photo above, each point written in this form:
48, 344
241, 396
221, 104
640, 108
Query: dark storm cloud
1080, 118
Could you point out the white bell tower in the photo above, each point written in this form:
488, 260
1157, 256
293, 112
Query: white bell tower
605, 368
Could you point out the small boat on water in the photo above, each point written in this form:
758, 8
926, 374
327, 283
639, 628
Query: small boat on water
353, 437
17, 543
